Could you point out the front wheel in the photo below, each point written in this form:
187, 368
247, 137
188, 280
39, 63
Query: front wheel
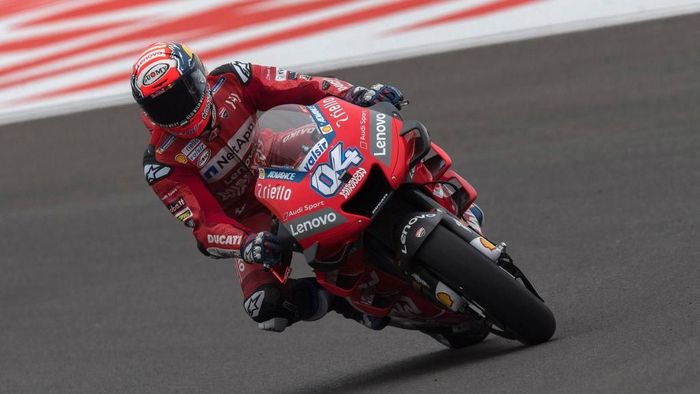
509, 304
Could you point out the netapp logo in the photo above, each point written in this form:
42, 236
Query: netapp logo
224, 160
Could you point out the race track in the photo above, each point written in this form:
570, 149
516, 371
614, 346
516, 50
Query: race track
585, 149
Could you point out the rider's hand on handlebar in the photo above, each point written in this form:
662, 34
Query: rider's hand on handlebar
261, 248
376, 93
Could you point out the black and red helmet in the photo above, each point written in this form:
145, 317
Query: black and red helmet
169, 82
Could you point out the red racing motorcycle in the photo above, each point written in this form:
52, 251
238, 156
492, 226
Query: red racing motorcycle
377, 212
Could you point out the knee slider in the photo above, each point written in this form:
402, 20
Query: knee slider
264, 304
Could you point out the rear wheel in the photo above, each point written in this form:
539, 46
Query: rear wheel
507, 303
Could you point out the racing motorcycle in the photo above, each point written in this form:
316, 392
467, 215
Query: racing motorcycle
376, 210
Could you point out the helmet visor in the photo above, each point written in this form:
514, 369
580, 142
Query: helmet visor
176, 105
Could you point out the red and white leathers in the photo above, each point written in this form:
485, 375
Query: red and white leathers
207, 182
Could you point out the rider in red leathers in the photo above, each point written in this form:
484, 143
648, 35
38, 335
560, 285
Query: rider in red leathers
202, 156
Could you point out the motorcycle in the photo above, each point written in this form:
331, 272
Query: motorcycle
376, 210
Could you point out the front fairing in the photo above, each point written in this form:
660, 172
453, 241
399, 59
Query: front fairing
319, 159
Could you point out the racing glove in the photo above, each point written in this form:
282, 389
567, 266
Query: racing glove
376, 93
261, 248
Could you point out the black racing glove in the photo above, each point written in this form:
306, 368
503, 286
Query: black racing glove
261, 248
376, 93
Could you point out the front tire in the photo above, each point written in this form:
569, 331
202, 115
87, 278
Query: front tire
509, 304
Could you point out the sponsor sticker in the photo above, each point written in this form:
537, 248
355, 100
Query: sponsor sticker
411, 222
218, 84
281, 75
326, 177
297, 132
320, 120
305, 208
177, 205
191, 146
487, 244
314, 154
184, 214
336, 110
227, 240
445, 299
150, 55
486, 247
380, 144
357, 177
155, 72
284, 175
204, 158
169, 194
269, 192
317, 222
195, 151
363, 129
180, 158
166, 144
448, 297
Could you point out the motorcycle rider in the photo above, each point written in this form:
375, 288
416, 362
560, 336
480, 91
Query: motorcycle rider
201, 161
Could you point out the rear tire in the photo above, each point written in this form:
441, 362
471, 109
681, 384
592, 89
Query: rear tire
462, 267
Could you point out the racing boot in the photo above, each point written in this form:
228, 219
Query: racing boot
275, 309
343, 307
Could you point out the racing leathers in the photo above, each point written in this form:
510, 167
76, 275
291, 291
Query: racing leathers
208, 182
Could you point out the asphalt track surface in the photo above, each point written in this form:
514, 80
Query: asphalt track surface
585, 150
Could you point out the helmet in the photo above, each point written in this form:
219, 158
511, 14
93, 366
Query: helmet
169, 82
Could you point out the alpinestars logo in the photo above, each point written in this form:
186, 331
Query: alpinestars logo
155, 172
243, 71
254, 302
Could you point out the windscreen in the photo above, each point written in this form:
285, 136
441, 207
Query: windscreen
296, 141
